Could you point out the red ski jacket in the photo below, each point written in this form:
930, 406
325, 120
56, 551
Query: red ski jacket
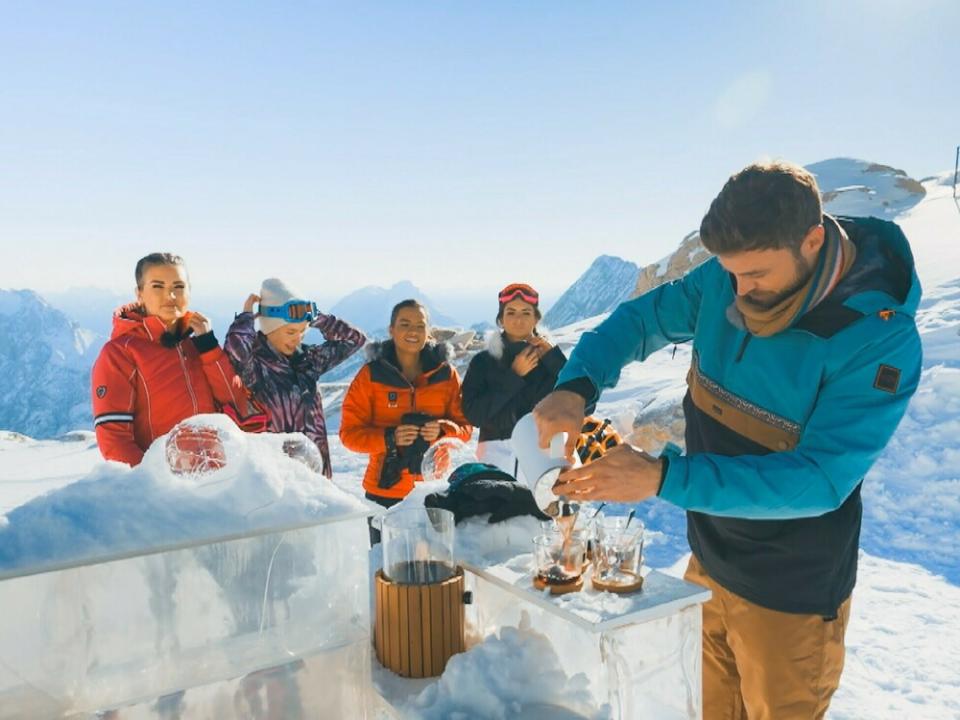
146, 380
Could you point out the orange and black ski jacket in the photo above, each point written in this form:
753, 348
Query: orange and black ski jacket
380, 396
146, 380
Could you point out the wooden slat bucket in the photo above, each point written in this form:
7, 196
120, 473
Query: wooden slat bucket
418, 627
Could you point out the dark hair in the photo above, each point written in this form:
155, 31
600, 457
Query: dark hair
409, 303
536, 312
149, 261
765, 206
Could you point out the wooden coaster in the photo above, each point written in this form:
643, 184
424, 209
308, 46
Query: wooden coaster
619, 588
575, 586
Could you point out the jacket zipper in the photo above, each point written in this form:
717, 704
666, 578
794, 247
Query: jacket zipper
186, 375
743, 347
413, 388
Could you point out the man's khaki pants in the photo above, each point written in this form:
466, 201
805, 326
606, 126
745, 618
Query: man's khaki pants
760, 664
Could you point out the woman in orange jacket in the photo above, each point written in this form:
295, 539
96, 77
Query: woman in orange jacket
161, 365
402, 401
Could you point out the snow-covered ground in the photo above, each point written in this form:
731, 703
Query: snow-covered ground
904, 629
59, 501
117, 509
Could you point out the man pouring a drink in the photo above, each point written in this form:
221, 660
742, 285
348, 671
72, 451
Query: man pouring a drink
805, 355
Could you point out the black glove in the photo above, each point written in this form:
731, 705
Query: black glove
412, 455
479, 489
416, 418
393, 463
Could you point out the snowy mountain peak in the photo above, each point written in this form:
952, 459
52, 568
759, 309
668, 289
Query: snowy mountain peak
858, 187
849, 187
369, 308
45, 361
26, 310
690, 254
607, 282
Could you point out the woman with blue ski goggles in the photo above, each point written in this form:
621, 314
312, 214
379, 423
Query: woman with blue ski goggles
281, 370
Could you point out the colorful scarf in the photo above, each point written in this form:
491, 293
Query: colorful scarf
835, 260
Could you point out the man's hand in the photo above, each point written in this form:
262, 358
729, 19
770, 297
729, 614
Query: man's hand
561, 411
430, 431
251, 300
404, 435
200, 324
625, 475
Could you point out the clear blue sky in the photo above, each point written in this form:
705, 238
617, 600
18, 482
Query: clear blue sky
459, 145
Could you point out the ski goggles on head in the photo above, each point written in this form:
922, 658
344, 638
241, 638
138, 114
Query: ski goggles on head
291, 311
519, 290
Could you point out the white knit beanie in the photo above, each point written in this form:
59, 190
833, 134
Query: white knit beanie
274, 292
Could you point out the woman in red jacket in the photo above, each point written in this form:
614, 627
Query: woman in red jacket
161, 365
402, 401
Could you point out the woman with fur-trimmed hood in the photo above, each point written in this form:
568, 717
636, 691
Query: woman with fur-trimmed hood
402, 401
517, 370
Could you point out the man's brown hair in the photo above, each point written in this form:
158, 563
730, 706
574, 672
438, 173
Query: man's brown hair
765, 206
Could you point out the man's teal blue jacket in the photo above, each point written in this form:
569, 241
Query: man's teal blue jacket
782, 429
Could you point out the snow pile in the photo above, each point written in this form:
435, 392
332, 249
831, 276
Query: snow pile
515, 674
911, 497
116, 509
901, 645
933, 228
29, 468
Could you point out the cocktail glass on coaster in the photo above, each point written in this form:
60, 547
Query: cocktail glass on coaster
584, 534
558, 563
618, 554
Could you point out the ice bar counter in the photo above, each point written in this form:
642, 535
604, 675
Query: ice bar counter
279, 624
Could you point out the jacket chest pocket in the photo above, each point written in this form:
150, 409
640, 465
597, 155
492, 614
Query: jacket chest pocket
391, 403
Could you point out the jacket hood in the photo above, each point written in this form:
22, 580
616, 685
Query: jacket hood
497, 343
884, 275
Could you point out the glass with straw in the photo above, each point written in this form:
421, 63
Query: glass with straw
619, 549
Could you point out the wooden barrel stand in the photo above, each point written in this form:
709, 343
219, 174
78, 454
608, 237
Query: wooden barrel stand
418, 627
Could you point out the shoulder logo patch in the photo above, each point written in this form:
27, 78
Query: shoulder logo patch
887, 379
101, 391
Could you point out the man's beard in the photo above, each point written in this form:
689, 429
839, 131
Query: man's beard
768, 299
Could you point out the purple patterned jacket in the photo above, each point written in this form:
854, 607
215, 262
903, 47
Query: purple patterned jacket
287, 386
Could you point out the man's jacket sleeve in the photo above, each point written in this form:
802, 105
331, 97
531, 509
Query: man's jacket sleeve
637, 328
858, 408
114, 396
